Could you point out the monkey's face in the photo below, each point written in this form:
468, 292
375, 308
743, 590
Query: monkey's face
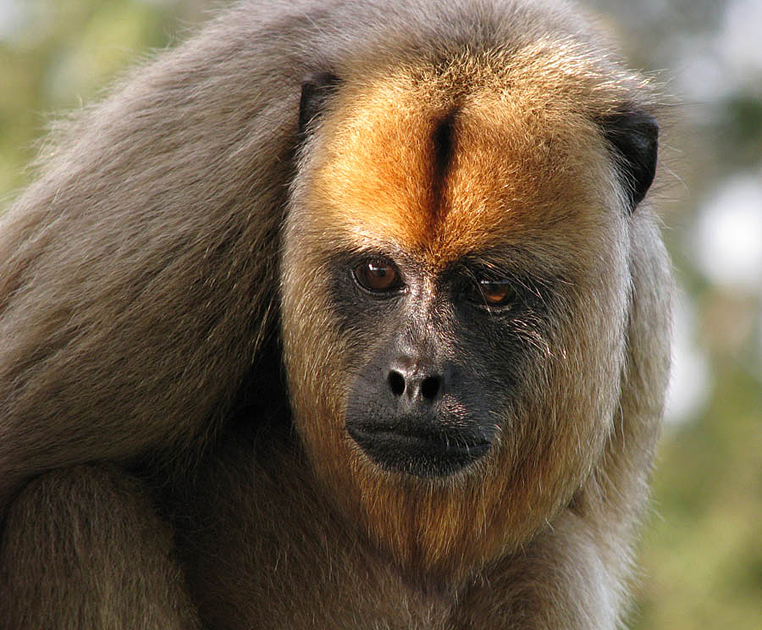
428, 398
454, 300
438, 378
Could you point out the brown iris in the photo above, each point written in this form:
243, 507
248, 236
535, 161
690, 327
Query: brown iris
378, 276
490, 293
496, 293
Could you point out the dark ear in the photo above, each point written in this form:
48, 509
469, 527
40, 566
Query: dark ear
634, 139
316, 88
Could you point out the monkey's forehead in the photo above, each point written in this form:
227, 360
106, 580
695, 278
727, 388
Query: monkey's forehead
454, 162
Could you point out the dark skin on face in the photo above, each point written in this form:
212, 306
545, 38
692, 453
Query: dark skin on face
423, 402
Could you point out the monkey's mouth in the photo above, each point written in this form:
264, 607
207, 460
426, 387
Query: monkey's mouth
421, 451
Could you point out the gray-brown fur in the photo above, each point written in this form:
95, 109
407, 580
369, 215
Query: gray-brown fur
154, 471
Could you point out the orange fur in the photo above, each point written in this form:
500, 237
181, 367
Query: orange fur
526, 155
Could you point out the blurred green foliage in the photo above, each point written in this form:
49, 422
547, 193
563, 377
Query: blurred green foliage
56, 55
701, 557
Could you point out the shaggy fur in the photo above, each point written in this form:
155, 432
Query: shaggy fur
177, 363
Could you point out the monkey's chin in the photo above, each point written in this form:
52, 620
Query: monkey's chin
426, 454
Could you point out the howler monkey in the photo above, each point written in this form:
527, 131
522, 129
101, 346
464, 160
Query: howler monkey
343, 314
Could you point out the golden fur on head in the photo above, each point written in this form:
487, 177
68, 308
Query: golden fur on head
519, 129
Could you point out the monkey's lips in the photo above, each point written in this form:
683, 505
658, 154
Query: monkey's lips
419, 449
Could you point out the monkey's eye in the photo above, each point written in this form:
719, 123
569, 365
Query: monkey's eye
378, 276
496, 293
491, 293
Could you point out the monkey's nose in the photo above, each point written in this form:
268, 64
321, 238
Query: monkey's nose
415, 386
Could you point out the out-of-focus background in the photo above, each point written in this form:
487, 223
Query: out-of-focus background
701, 556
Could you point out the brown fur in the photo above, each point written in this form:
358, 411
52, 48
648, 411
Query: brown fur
176, 224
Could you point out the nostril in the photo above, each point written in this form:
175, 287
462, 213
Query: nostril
396, 383
430, 387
